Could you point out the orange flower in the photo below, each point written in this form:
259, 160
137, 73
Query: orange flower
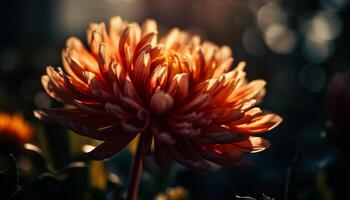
178, 92
14, 131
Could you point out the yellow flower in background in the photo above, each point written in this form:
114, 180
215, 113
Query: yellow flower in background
173, 193
14, 131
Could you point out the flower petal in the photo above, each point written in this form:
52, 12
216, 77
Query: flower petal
161, 102
252, 145
219, 135
79, 122
185, 154
259, 124
149, 26
221, 154
109, 148
251, 90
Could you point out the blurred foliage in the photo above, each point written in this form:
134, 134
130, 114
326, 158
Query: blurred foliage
321, 188
8, 176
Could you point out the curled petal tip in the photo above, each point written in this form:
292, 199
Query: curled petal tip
38, 114
275, 120
161, 102
165, 138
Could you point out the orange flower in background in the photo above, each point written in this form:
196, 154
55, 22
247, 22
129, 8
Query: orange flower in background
178, 91
14, 131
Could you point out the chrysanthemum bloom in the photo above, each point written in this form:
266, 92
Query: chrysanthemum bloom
178, 91
14, 131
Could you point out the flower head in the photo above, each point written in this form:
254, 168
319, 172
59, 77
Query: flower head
14, 131
179, 90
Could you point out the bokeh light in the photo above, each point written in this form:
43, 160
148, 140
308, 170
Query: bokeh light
320, 30
323, 27
270, 13
280, 39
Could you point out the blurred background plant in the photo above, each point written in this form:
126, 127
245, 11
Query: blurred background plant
297, 46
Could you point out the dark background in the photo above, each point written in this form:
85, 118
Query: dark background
295, 45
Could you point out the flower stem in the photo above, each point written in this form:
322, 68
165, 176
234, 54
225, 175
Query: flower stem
136, 168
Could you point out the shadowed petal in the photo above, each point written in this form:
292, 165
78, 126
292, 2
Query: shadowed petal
161, 155
252, 145
219, 135
221, 154
185, 154
161, 102
109, 148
